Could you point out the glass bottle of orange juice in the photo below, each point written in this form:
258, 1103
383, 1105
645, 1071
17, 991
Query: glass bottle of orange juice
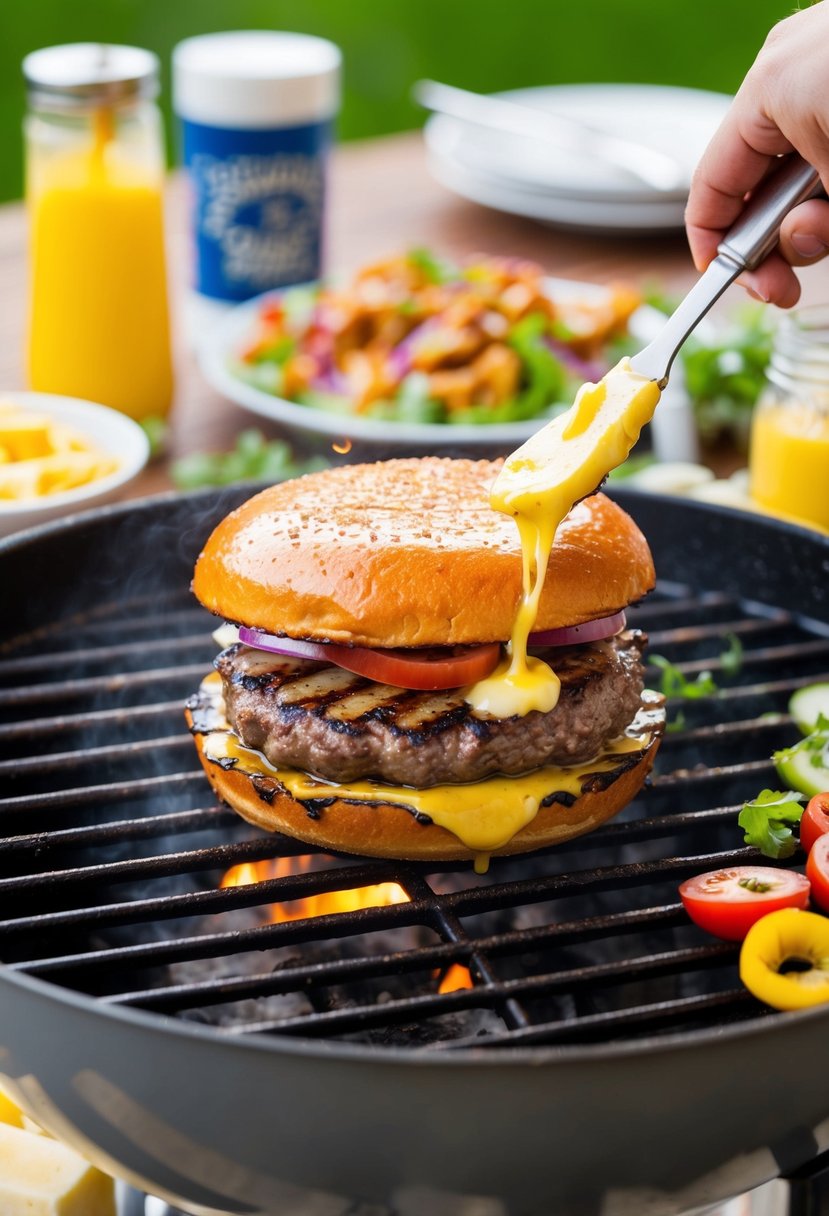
99, 326
789, 451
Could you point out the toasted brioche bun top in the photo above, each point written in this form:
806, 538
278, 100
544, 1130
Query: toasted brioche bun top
409, 553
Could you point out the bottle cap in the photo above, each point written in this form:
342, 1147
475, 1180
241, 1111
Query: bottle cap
256, 79
83, 74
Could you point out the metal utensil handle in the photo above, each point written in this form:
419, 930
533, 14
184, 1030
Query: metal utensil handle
757, 230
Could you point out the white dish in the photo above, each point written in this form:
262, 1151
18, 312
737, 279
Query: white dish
519, 175
114, 433
229, 334
562, 211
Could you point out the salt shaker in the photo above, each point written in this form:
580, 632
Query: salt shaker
256, 110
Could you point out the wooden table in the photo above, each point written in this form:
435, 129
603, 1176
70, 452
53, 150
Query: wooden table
382, 199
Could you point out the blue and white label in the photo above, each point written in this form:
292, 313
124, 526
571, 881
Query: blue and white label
258, 203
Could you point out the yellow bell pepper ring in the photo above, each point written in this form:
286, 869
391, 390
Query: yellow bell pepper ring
784, 960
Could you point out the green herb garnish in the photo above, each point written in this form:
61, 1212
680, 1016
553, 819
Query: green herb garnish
725, 379
674, 683
731, 660
815, 746
766, 818
433, 269
156, 429
254, 458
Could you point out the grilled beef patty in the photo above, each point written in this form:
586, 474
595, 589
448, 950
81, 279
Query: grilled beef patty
340, 726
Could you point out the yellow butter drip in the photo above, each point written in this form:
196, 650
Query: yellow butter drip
539, 484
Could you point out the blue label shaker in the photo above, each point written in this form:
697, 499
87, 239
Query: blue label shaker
256, 110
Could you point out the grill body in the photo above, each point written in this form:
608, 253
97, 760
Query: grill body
693, 1098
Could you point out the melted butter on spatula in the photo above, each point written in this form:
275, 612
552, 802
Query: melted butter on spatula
539, 484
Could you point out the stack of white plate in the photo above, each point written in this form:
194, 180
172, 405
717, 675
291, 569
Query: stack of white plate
570, 189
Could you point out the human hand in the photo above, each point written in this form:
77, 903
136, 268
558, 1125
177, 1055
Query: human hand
781, 106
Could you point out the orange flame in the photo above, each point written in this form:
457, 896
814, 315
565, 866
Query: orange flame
456, 977
380, 895
343, 448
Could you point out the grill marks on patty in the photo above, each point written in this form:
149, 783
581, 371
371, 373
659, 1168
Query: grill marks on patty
341, 726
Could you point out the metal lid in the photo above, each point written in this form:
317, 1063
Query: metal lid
81, 74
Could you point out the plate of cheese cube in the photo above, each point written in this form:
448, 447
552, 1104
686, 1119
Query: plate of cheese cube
61, 454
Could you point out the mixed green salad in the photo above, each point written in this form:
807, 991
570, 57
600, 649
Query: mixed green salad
415, 339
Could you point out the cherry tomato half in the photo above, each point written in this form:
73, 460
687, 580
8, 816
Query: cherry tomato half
817, 871
728, 902
815, 821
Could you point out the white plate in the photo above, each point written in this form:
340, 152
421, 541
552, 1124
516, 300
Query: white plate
111, 431
520, 175
575, 215
230, 333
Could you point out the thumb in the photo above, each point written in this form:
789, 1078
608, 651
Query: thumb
804, 233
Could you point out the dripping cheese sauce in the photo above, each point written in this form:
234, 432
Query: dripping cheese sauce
538, 485
565, 461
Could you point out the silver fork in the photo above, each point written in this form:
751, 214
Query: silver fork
745, 246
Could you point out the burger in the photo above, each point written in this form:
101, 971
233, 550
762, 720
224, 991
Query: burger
368, 599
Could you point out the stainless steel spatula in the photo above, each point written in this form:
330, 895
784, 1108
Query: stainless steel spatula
750, 240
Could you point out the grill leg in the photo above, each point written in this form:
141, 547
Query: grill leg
809, 1188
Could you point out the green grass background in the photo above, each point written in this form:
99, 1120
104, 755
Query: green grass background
387, 44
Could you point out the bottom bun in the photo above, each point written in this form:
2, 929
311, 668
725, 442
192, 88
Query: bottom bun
253, 788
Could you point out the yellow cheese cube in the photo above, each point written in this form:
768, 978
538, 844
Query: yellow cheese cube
25, 436
41, 1177
9, 1112
20, 480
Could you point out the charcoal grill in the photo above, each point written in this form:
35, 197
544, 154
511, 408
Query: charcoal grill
606, 1059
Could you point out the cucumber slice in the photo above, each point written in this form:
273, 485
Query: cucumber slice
807, 704
796, 766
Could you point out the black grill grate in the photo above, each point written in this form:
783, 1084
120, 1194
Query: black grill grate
111, 855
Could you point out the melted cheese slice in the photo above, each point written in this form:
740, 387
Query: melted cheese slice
484, 815
539, 484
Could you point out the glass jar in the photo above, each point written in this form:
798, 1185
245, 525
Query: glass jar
99, 326
789, 452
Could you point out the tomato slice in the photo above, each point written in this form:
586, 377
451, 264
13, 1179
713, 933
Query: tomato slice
815, 821
728, 902
424, 670
441, 668
817, 871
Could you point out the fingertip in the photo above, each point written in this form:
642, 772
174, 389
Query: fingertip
703, 245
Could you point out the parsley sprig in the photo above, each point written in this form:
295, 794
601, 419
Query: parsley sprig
765, 821
674, 682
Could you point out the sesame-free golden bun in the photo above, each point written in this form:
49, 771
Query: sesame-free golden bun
409, 553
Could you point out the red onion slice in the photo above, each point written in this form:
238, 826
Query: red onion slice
577, 635
292, 647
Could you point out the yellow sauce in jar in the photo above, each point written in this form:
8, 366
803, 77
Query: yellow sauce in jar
99, 325
789, 461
